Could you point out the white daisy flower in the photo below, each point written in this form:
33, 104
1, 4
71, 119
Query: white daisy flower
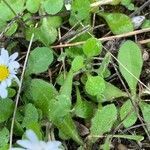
33, 143
8, 71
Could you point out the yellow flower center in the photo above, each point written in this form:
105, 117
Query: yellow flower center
4, 72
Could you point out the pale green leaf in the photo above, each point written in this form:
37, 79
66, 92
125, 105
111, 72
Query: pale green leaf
6, 13
33, 5
53, 7
128, 114
111, 92
77, 63
80, 11
137, 138
118, 23
41, 93
83, 108
128, 63
31, 115
12, 29
145, 108
103, 121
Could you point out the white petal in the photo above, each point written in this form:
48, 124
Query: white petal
31, 136
13, 56
1, 60
5, 55
3, 92
54, 145
4, 84
17, 148
14, 64
8, 81
25, 143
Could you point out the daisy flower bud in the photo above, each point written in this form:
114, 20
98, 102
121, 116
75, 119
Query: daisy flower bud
8, 71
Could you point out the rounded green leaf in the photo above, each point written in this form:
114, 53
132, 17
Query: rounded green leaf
130, 60
53, 7
128, 114
33, 5
95, 85
39, 60
92, 47
118, 23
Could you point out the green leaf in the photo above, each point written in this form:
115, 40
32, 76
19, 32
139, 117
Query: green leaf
66, 126
73, 52
103, 121
111, 92
137, 138
31, 115
66, 88
146, 24
80, 10
145, 108
118, 23
59, 107
46, 33
95, 85
4, 137
6, 13
83, 108
77, 63
39, 60
128, 114
12, 29
92, 47
126, 2
33, 5
54, 21
3, 24
41, 93
103, 67
6, 108
128, 63
53, 7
